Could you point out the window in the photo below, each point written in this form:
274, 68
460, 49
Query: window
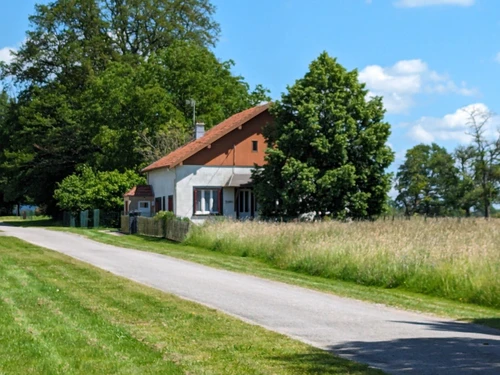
171, 203
207, 201
255, 146
144, 205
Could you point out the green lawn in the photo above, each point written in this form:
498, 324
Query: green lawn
391, 297
35, 221
61, 316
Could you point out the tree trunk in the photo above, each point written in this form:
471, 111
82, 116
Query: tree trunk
487, 208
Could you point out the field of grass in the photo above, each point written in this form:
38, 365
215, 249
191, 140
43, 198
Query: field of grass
61, 316
449, 258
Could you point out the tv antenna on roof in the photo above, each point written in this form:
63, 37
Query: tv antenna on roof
192, 103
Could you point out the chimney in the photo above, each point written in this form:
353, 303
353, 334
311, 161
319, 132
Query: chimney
199, 130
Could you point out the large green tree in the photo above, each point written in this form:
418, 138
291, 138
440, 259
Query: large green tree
5, 206
188, 71
134, 107
72, 39
105, 82
328, 148
426, 181
45, 141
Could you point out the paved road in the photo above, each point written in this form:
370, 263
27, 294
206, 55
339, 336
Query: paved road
395, 341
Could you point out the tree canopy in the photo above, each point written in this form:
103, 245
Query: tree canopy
104, 83
426, 180
71, 39
432, 181
328, 148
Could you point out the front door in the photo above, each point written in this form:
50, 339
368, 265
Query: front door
245, 204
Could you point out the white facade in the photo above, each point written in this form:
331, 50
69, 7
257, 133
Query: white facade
181, 181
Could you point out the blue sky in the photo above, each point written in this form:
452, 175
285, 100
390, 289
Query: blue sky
428, 58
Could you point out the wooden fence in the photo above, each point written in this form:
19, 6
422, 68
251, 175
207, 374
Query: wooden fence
147, 226
176, 230
125, 224
171, 229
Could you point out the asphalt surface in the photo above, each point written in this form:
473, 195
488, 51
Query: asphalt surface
395, 341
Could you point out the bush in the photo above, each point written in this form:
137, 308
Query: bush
169, 215
88, 189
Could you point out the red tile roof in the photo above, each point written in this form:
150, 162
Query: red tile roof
178, 156
140, 191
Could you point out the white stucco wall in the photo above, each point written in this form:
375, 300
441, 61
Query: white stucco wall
180, 182
190, 176
163, 183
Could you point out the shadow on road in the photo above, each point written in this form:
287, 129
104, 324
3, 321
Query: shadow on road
316, 362
490, 322
432, 355
427, 355
459, 326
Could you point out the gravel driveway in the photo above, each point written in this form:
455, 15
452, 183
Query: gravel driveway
395, 341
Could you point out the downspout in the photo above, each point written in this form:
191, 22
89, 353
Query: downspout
235, 192
175, 191
234, 157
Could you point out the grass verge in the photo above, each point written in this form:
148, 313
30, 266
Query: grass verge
395, 297
61, 316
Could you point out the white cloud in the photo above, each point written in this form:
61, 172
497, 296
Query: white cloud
425, 3
399, 83
5, 54
451, 127
419, 133
410, 67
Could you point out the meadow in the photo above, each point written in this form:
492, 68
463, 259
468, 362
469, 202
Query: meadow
456, 259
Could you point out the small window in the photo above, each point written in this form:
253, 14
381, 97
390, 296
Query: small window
144, 205
255, 146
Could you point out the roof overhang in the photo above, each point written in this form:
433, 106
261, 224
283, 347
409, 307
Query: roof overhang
239, 180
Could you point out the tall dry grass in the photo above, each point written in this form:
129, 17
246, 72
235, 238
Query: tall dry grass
455, 259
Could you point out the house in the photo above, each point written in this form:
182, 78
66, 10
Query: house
139, 199
211, 175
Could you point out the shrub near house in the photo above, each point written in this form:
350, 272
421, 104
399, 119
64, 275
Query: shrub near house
87, 189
